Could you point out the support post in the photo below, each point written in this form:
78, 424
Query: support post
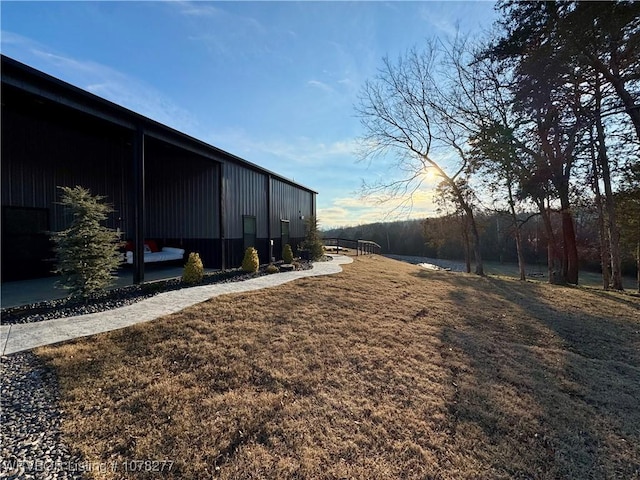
271, 257
138, 206
221, 216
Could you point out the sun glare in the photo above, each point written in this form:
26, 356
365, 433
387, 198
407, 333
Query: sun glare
430, 176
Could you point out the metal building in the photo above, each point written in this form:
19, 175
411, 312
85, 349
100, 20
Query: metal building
164, 185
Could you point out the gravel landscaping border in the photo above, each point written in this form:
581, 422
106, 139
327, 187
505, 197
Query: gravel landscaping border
120, 297
30, 418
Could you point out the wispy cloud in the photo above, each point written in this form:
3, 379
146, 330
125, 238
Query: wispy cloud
100, 80
438, 20
220, 29
298, 150
357, 211
207, 10
320, 85
198, 9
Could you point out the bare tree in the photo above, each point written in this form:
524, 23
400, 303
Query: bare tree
406, 111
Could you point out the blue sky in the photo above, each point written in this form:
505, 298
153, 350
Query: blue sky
272, 82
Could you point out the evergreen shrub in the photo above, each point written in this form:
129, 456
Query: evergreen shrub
87, 252
272, 269
313, 241
193, 270
287, 254
251, 262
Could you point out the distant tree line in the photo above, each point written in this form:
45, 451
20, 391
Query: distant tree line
542, 118
443, 236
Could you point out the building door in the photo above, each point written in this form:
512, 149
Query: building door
249, 231
284, 232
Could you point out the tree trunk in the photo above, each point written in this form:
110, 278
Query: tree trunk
465, 238
477, 253
611, 220
570, 247
517, 234
521, 264
472, 223
559, 162
552, 246
605, 258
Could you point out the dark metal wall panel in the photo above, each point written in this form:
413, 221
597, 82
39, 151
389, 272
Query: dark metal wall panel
207, 248
289, 203
245, 194
43, 150
182, 198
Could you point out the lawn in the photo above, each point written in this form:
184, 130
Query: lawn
382, 371
586, 278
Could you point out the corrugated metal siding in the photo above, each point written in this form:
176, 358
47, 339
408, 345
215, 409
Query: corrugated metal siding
44, 154
182, 199
245, 194
289, 203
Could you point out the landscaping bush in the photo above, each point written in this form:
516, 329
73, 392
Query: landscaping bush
272, 269
287, 254
87, 253
313, 241
251, 262
193, 270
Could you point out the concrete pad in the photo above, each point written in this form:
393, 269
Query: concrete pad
23, 292
20, 337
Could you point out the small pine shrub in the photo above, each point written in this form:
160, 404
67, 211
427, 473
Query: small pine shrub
87, 253
313, 241
251, 262
272, 269
193, 270
287, 254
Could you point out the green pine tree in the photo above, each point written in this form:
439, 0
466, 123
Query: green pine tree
87, 252
313, 240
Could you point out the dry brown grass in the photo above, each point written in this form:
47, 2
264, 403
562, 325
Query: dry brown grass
382, 371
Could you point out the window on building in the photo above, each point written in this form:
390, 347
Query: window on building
249, 231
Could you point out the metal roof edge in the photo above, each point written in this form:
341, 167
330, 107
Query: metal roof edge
54, 83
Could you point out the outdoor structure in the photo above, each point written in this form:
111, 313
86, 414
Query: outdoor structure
164, 185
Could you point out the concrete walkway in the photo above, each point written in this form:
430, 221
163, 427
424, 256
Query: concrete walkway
20, 337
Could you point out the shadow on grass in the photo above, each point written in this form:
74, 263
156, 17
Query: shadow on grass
551, 389
631, 299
